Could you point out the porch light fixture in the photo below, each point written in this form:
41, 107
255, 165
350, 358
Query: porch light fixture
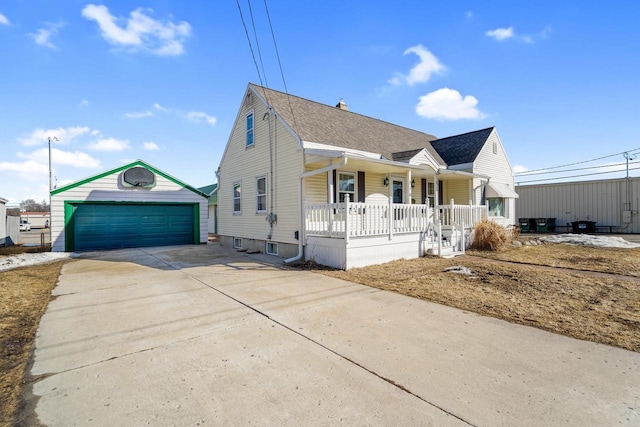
386, 182
413, 183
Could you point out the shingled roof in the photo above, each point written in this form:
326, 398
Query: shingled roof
460, 149
324, 124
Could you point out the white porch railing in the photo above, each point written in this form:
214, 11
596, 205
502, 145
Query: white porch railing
465, 216
351, 219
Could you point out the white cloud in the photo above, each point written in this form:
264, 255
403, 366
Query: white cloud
110, 144
469, 14
3, 20
84, 103
76, 159
422, 71
519, 168
200, 117
159, 107
29, 167
150, 146
43, 36
138, 115
140, 31
500, 33
448, 104
64, 135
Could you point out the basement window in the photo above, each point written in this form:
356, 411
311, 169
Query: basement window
237, 243
272, 248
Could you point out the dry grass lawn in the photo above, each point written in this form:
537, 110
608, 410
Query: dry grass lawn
604, 308
24, 295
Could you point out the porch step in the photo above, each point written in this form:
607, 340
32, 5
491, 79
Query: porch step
446, 252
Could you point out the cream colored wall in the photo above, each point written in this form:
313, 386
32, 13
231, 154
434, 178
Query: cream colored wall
245, 164
458, 190
315, 188
496, 166
109, 188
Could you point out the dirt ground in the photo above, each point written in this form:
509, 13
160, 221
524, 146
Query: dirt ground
24, 295
590, 293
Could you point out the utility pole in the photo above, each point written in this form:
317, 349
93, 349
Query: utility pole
50, 139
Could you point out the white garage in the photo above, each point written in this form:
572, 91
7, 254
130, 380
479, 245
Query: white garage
134, 205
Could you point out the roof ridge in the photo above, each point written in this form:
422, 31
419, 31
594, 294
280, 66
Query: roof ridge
465, 133
258, 87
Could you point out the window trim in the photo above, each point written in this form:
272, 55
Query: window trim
250, 131
258, 195
237, 243
238, 197
273, 245
352, 194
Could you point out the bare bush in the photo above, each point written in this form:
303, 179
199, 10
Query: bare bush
489, 235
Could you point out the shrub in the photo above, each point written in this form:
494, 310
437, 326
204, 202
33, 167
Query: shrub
489, 235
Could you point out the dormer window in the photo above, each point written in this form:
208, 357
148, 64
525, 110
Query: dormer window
249, 130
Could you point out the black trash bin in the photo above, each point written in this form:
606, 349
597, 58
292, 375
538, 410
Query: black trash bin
551, 224
583, 226
541, 225
524, 224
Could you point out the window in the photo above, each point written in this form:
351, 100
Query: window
250, 129
261, 194
496, 206
272, 248
346, 185
237, 192
237, 243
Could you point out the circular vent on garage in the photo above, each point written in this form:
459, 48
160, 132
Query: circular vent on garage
139, 177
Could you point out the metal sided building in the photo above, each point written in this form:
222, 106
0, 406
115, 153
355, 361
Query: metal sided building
134, 205
612, 204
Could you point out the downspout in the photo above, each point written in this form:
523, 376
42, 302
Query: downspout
301, 217
479, 186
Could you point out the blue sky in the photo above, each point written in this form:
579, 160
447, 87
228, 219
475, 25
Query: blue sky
162, 80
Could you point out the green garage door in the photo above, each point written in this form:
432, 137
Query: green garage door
113, 226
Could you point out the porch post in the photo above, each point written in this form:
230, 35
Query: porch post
346, 218
436, 197
331, 185
409, 191
390, 218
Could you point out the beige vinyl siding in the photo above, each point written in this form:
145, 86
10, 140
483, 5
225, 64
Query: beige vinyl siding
315, 188
458, 190
109, 189
374, 189
496, 166
599, 201
245, 164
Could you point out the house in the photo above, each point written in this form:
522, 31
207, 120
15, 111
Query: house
212, 192
304, 180
134, 205
36, 219
610, 205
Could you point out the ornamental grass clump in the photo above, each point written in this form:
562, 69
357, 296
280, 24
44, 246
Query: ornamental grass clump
491, 236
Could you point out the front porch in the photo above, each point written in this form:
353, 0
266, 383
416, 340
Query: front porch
355, 234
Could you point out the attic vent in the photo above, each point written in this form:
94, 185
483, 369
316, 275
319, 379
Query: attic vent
248, 100
139, 177
342, 105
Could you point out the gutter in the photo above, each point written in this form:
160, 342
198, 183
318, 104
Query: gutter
301, 217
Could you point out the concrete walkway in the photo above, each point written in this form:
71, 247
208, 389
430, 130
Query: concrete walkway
200, 335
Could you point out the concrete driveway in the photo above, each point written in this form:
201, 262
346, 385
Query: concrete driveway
201, 335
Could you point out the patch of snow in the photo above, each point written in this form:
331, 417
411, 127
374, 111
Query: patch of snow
590, 240
459, 269
22, 260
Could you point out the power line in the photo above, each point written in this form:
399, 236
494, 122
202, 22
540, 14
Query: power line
574, 176
246, 32
578, 163
286, 90
255, 34
527, 174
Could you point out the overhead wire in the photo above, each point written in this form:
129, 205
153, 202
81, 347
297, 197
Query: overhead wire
579, 163
575, 176
275, 44
255, 34
246, 32
574, 169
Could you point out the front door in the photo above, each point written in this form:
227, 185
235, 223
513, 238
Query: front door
398, 190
